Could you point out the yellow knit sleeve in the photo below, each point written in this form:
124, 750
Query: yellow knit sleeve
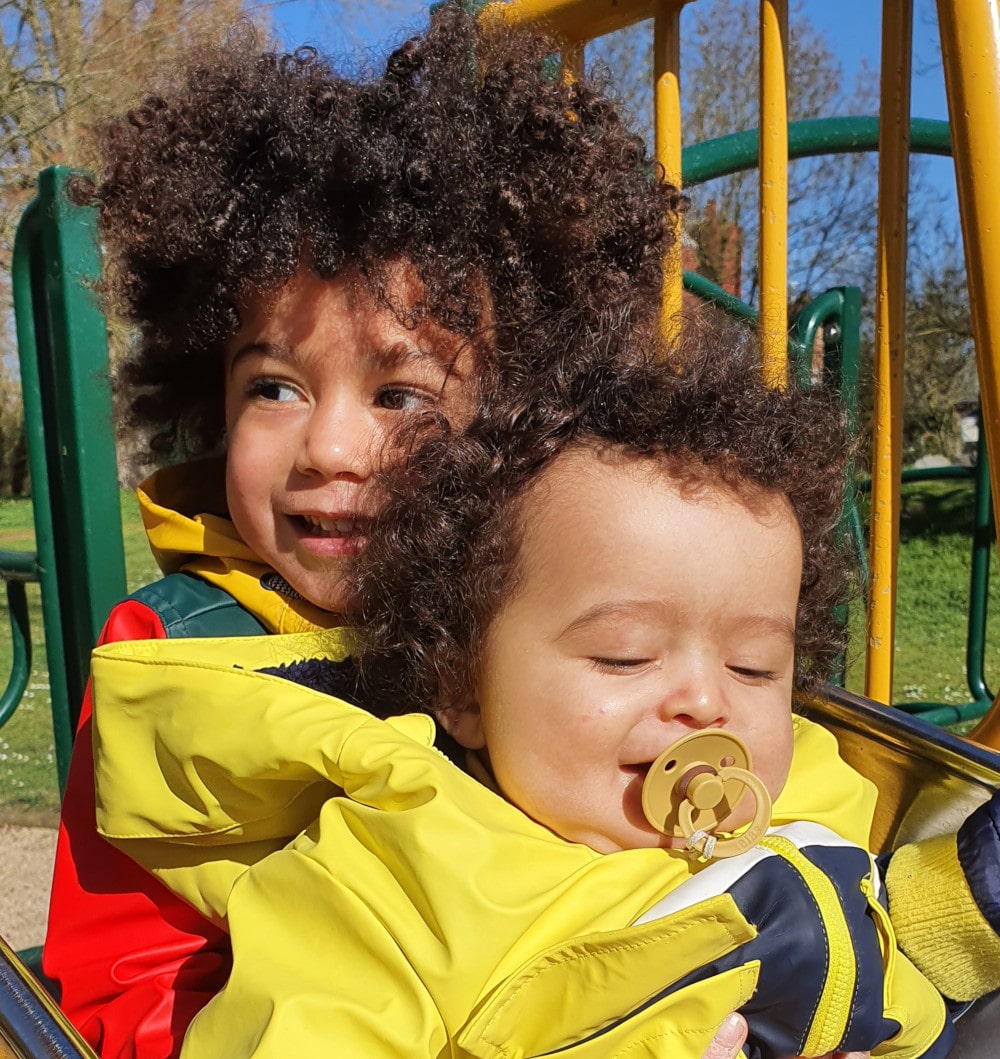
937, 921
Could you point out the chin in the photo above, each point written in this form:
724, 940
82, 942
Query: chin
329, 595
639, 839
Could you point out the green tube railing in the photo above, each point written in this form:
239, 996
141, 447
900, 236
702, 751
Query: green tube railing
806, 139
62, 346
20, 634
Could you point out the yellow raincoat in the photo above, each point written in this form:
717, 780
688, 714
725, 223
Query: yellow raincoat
406, 910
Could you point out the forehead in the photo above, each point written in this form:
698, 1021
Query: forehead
611, 499
309, 306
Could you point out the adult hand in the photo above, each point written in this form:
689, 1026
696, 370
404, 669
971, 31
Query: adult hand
728, 1039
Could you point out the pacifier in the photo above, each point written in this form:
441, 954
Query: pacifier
695, 784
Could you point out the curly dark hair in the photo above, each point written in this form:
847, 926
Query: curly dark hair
503, 185
442, 559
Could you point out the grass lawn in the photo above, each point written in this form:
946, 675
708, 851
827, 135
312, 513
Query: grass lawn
932, 600
930, 649
27, 765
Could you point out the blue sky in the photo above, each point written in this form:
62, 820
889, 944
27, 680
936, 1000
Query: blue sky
851, 27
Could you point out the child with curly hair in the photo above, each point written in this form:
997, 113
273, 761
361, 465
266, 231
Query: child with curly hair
603, 564
308, 259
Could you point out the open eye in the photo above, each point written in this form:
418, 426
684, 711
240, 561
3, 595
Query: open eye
398, 398
271, 389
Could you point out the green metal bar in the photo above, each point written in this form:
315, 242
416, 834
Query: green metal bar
838, 312
983, 536
20, 666
708, 291
62, 344
26, 262
842, 367
86, 504
818, 313
21, 566
934, 713
806, 139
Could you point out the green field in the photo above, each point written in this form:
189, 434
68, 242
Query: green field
27, 767
930, 650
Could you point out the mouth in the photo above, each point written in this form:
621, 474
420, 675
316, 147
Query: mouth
337, 527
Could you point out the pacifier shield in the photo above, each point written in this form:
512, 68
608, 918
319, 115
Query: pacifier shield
689, 770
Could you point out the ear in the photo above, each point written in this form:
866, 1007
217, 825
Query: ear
464, 725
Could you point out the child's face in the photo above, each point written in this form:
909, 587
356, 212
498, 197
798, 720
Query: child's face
317, 378
641, 613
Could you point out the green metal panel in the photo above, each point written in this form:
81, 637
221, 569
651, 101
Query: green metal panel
63, 351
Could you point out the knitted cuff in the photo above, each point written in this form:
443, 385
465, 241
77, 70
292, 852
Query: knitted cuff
937, 921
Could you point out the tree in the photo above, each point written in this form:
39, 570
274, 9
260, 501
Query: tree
832, 199
940, 372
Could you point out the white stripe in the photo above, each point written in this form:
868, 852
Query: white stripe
719, 876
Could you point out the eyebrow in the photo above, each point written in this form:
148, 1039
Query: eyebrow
381, 359
401, 351
769, 624
625, 608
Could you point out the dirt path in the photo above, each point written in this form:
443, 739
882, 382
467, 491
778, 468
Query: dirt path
25, 875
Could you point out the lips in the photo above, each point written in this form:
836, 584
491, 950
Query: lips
334, 526
330, 536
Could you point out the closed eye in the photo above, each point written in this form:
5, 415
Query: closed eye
749, 673
619, 665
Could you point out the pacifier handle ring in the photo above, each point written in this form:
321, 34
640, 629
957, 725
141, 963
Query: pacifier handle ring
708, 845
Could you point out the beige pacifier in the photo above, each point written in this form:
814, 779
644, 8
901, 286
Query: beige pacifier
695, 784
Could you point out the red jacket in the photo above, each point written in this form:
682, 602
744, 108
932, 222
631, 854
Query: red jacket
133, 962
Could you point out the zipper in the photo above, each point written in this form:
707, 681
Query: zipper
833, 1010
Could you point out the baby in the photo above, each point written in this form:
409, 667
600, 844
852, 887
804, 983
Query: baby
603, 563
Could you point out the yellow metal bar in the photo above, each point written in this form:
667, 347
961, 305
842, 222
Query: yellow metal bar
890, 328
667, 102
574, 20
970, 45
773, 245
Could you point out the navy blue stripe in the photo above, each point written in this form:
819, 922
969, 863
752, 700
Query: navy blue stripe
941, 1048
793, 951
979, 857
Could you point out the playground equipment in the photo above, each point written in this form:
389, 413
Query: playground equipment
929, 780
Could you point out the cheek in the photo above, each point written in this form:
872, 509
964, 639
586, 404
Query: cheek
779, 759
249, 478
459, 402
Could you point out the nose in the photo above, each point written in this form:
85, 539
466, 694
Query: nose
693, 697
339, 441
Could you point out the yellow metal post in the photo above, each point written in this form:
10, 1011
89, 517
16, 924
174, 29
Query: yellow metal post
573, 22
773, 245
890, 328
970, 45
666, 73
